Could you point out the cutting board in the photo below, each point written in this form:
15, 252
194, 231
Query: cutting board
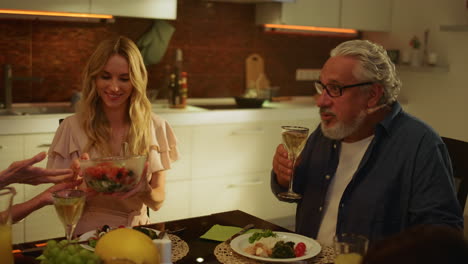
255, 73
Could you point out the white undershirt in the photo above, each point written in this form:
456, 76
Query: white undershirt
350, 156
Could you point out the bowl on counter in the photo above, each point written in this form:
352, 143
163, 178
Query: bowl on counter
113, 174
246, 102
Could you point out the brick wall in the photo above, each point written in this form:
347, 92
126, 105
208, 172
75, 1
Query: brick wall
215, 38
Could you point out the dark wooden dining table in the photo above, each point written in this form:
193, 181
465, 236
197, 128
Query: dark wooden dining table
189, 230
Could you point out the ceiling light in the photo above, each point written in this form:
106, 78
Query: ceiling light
309, 29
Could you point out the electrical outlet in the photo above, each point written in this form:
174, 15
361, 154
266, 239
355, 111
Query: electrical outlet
307, 74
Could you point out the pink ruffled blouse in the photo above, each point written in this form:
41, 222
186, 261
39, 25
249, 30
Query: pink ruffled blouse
68, 144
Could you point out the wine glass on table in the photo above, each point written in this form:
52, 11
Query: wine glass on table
294, 139
69, 205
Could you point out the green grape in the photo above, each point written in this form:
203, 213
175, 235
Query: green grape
62, 252
69, 259
75, 260
54, 251
51, 243
71, 250
84, 253
63, 243
95, 258
61, 256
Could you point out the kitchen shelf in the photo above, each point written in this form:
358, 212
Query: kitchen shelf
430, 69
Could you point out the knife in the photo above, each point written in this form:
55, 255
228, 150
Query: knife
243, 230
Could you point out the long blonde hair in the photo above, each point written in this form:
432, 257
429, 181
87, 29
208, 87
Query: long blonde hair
92, 118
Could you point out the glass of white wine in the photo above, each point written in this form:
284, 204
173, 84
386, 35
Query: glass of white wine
294, 139
69, 205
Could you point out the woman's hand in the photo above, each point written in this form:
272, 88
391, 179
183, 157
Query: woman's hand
282, 166
75, 166
77, 175
23, 172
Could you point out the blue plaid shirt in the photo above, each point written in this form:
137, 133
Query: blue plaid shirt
405, 178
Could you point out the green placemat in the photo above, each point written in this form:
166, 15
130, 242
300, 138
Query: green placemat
222, 233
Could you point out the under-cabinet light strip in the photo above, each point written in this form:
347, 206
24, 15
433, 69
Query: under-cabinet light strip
309, 28
50, 13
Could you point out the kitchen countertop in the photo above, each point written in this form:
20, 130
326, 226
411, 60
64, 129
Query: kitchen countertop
301, 107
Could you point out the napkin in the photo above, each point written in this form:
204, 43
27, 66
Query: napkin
222, 233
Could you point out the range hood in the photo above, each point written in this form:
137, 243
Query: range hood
251, 1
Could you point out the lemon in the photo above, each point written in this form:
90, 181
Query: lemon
129, 244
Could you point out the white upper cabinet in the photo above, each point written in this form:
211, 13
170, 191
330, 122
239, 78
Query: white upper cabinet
158, 9
323, 13
369, 15
75, 6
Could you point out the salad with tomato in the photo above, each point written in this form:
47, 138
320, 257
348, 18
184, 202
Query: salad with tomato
267, 244
109, 177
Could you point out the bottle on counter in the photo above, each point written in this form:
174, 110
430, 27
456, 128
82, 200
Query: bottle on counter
178, 84
174, 97
183, 90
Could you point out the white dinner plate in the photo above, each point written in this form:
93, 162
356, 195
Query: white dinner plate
86, 236
240, 243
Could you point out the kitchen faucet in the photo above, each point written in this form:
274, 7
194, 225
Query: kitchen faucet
8, 80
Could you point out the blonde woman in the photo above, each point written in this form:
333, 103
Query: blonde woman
114, 109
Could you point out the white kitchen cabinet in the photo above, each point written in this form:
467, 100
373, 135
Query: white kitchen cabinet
323, 13
75, 6
46, 216
178, 181
36, 143
177, 203
367, 15
181, 169
249, 193
11, 150
233, 149
158, 9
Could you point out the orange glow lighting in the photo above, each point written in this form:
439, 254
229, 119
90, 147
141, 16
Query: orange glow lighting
55, 14
316, 29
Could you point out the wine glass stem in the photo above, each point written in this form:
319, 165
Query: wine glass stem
291, 182
69, 229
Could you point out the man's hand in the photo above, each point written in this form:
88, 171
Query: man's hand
282, 166
23, 172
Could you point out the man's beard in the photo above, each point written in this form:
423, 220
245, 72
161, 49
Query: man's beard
341, 130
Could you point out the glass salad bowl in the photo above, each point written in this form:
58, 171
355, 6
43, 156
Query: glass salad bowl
113, 174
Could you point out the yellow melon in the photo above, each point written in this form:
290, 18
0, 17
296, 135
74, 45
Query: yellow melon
127, 243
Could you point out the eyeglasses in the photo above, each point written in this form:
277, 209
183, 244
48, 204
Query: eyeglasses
335, 90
